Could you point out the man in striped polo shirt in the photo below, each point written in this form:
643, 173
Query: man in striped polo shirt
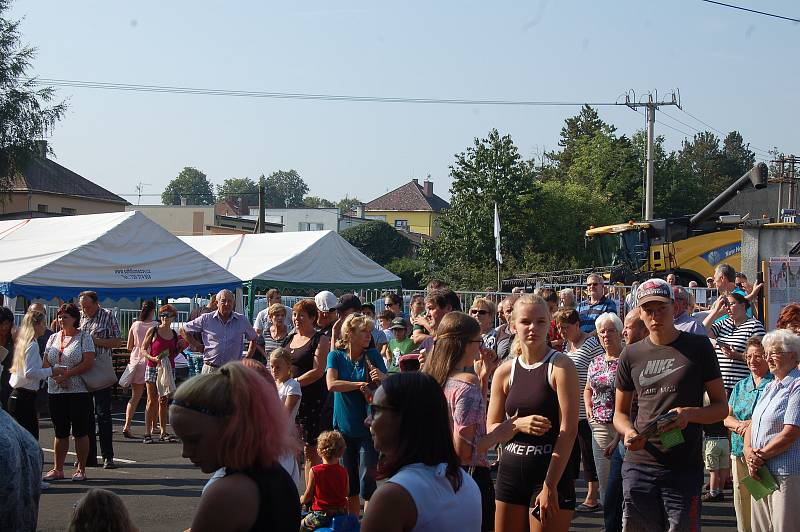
597, 303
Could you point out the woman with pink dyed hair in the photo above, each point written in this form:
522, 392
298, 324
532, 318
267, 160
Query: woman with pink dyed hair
232, 419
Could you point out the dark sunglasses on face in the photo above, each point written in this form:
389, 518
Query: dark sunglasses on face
479, 311
165, 315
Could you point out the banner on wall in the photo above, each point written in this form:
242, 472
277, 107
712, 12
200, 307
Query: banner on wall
783, 286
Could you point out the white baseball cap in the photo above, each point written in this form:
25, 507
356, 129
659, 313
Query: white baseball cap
326, 301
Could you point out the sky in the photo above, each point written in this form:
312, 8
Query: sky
734, 70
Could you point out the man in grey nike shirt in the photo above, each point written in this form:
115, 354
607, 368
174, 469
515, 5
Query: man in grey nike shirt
662, 475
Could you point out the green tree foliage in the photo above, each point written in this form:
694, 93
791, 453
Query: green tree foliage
739, 158
235, 188
316, 202
347, 204
377, 240
409, 270
585, 125
191, 183
285, 188
27, 112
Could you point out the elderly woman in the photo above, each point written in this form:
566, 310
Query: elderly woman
272, 332
771, 440
599, 394
742, 401
731, 334
566, 298
351, 369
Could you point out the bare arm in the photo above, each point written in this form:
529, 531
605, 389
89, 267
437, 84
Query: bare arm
622, 421
336, 385
318, 370
587, 400
780, 443
83, 367
566, 381
290, 402
130, 339
391, 509
703, 415
308, 496
214, 512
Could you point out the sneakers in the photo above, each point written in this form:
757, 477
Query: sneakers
716, 497
108, 463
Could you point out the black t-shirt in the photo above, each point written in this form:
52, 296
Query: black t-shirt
664, 377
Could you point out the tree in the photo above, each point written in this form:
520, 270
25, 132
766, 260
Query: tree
192, 184
285, 188
488, 172
583, 126
377, 240
316, 202
737, 155
25, 116
235, 188
347, 204
408, 270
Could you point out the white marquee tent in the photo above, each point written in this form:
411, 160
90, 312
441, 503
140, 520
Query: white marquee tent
118, 255
312, 260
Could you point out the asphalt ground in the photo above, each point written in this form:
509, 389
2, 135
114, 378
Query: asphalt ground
162, 490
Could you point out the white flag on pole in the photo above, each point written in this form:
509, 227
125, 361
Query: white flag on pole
497, 254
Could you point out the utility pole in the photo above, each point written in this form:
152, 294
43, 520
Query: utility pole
785, 173
651, 105
139, 189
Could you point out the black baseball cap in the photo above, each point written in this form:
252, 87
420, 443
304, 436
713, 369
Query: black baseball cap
348, 302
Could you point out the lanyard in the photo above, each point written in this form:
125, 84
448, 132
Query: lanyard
61, 352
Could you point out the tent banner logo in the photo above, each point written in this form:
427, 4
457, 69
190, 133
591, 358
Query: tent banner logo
134, 274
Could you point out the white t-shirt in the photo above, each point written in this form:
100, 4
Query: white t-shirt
290, 387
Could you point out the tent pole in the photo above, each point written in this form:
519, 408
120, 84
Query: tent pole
250, 299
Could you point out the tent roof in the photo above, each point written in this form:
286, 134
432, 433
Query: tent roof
121, 254
304, 259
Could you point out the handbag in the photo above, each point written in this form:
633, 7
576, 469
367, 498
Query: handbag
101, 375
165, 381
126, 377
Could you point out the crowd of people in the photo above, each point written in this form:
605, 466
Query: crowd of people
470, 425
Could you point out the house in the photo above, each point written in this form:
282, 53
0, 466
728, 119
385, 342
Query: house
45, 188
301, 218
411, 207
196, 220
352, 218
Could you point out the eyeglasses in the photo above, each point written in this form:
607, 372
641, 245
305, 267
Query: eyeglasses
166, 315
381, 408
479, 311
731, 303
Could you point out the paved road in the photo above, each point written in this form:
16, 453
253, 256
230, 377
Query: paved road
161, 489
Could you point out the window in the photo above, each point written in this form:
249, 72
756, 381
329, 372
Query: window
310, 226
42, 207
68, 210
401, 224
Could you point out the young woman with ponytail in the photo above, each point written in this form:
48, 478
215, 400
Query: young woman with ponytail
232, 419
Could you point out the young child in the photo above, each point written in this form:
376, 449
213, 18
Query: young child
716, 453
289, 391
401, 345
385, 322
328, 484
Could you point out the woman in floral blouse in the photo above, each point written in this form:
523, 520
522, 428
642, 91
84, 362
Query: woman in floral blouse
599, 393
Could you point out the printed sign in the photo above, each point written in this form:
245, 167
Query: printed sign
134, 274
720, 254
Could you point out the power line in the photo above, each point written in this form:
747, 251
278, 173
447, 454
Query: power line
752, 148
722, 133
751, 10
300, 96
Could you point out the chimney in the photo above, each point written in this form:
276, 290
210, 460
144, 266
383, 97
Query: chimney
41, 148
415, 181
184, 201
427, 188
359, 210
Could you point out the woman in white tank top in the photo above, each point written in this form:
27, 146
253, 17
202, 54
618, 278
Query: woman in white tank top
426, 489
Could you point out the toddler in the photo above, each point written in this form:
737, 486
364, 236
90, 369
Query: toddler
328, 484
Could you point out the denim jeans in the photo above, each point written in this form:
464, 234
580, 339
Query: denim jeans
361, 461
195, 361
657, 498
101, 413
612, 501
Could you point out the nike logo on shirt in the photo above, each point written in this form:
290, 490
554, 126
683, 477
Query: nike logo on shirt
656, 370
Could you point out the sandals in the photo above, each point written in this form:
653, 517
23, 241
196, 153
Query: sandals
169, 438
53, 474
147, 439
78, 476
129, 435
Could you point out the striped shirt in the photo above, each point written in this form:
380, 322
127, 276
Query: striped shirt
589, 312
582, 357
778, 405
735, 336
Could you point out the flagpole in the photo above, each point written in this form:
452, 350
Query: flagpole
498, 258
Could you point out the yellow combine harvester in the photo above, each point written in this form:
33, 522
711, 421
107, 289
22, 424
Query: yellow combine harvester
690, 246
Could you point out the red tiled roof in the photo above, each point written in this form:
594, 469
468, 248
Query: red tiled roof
409, 197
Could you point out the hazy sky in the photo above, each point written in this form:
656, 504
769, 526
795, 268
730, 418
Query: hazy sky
735, 70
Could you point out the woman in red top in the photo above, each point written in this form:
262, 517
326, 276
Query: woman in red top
328, 484
159, 342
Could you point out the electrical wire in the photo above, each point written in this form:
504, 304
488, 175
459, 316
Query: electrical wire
756, 151
754, 148
751, 10
300, 96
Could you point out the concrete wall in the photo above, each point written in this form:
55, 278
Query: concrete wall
757, 202
762, 242
190, 220
22, 201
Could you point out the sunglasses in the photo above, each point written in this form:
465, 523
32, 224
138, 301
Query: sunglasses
166, 315
479, 311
